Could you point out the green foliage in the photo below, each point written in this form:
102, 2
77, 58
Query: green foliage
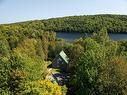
101, 36
97, 65
23, 60
86, 24
87, 69
4, 46
23, 69
4, 70
112, 80
27, 48
100, 70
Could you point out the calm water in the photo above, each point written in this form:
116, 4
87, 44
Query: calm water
74, 36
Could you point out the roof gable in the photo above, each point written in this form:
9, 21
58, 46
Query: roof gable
64, 56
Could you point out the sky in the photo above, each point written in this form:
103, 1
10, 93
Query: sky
23, 10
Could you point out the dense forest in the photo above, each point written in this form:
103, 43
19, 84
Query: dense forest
97, 64
86, 24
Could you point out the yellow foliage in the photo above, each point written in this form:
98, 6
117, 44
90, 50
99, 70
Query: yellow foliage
27, 47
18, 74
50, 88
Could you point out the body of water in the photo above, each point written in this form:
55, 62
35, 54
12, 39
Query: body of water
74, 36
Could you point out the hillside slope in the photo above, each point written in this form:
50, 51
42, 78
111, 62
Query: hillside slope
86, 23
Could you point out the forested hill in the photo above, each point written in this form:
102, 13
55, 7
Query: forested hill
86, 23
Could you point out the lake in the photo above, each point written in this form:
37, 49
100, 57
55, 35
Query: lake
74, 36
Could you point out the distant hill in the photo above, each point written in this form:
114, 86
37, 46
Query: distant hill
86, 23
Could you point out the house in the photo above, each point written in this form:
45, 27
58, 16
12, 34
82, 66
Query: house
61, 62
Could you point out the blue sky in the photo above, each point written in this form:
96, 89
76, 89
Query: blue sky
23, 10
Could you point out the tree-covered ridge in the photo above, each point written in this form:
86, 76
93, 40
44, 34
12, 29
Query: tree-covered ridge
114, 23
86, 23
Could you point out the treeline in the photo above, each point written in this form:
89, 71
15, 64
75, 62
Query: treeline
86, 24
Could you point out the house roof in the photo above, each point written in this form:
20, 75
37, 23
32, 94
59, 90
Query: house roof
64, 56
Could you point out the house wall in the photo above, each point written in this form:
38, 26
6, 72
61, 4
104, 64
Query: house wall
58, 63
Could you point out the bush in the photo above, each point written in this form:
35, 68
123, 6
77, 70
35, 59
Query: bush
44, 87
